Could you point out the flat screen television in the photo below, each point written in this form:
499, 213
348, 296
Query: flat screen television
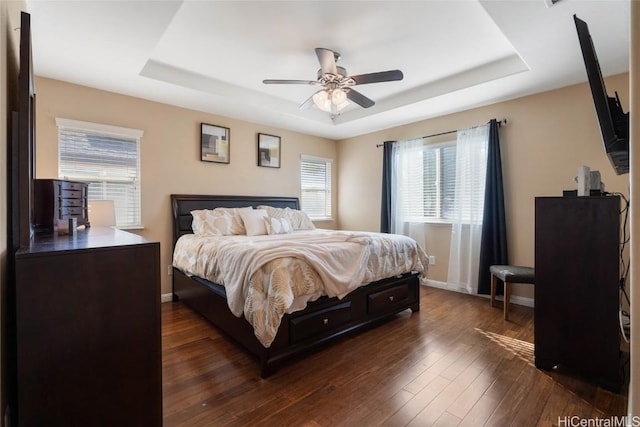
614, 123
22, 147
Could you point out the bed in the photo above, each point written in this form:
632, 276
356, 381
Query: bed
323, 320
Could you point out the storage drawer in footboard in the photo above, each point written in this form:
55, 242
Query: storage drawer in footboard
388, 300
319, 322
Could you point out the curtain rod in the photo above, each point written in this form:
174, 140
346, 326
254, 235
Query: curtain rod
501, 123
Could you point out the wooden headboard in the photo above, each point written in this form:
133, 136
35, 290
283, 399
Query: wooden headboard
183, 204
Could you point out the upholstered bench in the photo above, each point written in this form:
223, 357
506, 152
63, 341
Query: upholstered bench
509, 274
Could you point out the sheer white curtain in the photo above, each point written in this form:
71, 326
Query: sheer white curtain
407, 197
466, 230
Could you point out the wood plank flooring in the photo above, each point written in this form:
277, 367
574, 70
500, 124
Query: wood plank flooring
456, 362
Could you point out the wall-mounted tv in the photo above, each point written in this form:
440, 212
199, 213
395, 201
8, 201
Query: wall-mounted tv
614, 123
22, 147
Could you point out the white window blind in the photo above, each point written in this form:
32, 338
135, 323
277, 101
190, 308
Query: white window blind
315, 183
106, 157
427, 182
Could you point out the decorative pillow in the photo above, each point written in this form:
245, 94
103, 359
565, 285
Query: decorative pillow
274, 212
207, 222
277, 225
198, 219
298, 220
254, 221
237, 226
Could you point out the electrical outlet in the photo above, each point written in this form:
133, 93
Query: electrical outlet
432, 260
169, 270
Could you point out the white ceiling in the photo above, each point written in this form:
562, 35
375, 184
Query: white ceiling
213, 55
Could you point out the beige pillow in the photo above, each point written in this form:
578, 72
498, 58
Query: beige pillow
273, 212
237, 226
206, 222
277, 225
298, 220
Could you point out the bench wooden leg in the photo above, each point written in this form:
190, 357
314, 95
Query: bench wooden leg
507, 297
493, 289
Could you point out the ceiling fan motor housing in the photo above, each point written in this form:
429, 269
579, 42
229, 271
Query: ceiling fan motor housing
342, 72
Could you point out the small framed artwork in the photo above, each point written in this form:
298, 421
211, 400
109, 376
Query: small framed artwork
215, 143
268, 150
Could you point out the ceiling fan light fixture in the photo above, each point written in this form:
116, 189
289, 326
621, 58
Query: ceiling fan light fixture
325, 98
338, 97
322, 100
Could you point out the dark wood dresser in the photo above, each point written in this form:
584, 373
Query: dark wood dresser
56, 199
577, 286
88, 330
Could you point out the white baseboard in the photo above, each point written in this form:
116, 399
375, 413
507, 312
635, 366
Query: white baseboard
166, 297
515, 299
446, 286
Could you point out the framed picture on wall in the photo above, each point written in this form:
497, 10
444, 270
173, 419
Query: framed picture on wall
268, 150
215, 143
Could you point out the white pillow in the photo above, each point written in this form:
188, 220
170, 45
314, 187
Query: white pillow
277, 225
254, 221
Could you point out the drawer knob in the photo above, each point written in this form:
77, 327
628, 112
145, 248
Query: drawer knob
325, 321
391, 298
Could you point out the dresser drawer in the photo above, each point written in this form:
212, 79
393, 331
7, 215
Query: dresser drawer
71, 211
70, 194
319, 322
70, 185
72, 202
388, 299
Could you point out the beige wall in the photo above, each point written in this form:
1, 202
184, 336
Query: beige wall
547, 137
170, 152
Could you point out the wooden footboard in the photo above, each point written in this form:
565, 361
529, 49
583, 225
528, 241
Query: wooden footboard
321, 322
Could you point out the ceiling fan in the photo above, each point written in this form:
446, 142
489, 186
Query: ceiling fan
337, 87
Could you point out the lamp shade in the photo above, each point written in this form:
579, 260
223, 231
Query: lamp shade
101, 213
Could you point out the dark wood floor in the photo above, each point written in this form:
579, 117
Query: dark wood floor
456, 362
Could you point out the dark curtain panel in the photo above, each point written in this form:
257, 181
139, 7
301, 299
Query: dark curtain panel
493, 245
385, 208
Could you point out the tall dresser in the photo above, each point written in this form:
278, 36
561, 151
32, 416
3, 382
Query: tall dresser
88, 330
577, 286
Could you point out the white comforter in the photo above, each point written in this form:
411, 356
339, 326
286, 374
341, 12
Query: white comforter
268, 276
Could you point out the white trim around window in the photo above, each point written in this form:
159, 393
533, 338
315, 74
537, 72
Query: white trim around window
108, 159
316, 187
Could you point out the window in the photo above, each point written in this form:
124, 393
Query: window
106, 157
428, 183
315, 183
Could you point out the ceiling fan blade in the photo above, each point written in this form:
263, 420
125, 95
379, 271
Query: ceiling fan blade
327, 59
359, 99
382, 76
289, 82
